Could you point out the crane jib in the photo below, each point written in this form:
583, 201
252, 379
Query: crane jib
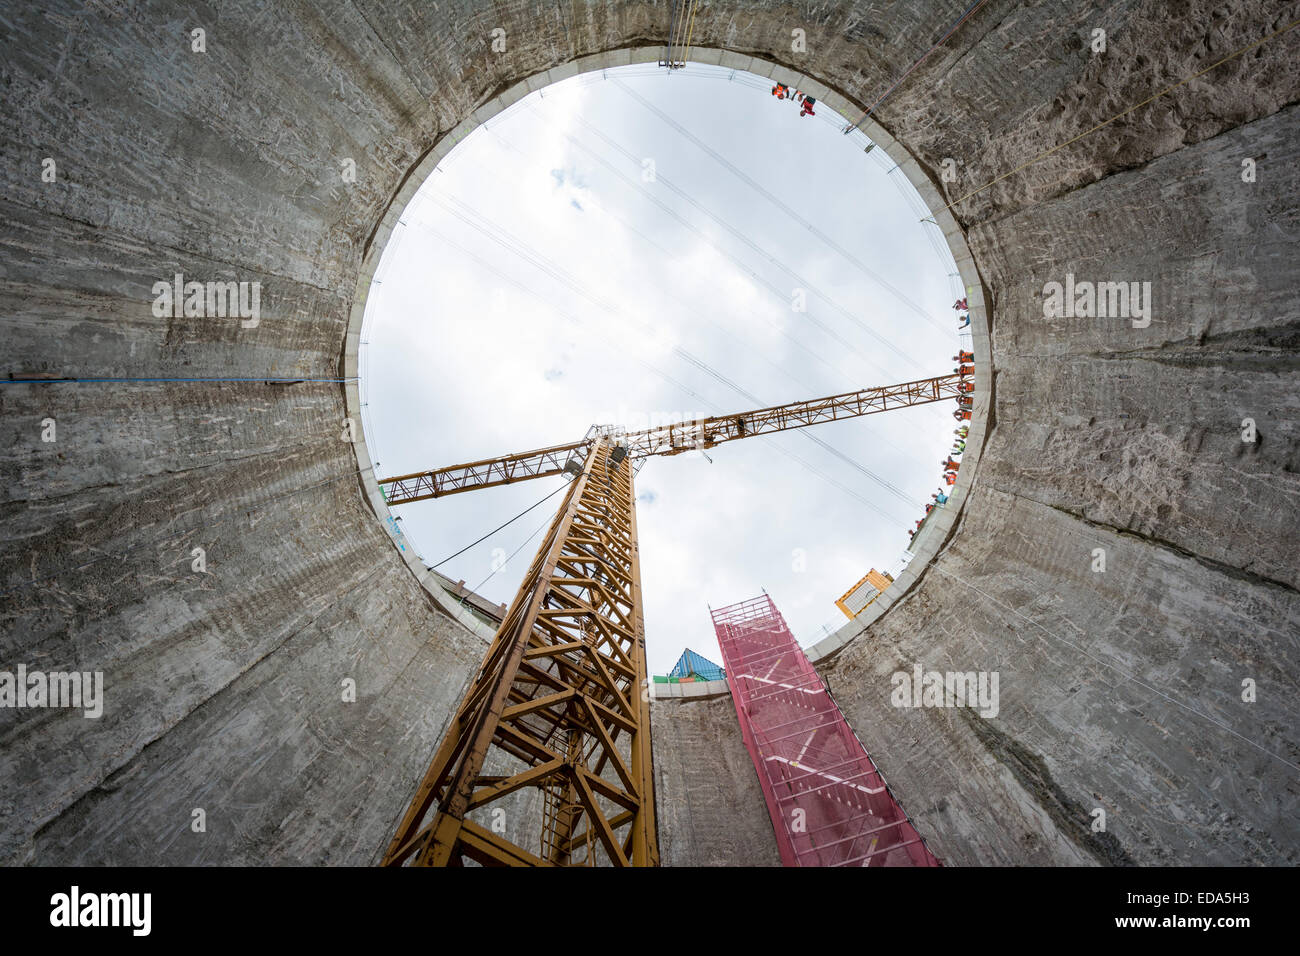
667, 440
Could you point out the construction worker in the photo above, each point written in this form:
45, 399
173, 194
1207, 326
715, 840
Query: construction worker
808, 104
961, 432
965, 386
964, 370
951, 465
960, 305
963, 357
940, 498
959, 447
963, 320
962, 414
780, 90
951, 477
965, 401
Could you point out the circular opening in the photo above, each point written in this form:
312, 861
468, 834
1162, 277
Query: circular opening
634, 247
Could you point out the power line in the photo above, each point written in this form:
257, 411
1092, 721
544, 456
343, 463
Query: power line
767, 256
712, 372
809, 389
881, 159
591, 203
783, 206
526, 251
781, 295
668, 378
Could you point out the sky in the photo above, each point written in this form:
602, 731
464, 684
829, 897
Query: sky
631, 248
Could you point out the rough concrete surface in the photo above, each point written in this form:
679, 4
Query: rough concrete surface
708, 801
1120, 690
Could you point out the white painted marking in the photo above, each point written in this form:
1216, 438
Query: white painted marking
764, 680
829, 776
806, 743
871, 850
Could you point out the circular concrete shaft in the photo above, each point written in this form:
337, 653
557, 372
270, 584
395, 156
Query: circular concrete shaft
1161, 690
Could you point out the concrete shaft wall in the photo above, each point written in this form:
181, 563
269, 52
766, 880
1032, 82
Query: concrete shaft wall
708, 801
1119, 690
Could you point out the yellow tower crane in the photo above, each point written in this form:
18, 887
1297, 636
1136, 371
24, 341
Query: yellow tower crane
561, 702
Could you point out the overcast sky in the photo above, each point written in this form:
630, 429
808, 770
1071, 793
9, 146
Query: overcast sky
544, 280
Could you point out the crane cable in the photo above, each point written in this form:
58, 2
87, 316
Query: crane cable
672, 23
493, 574
690, 36
498, 528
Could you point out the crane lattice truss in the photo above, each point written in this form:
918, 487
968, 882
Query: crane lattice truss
667, 439
559, 705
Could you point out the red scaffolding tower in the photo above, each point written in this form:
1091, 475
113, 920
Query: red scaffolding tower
829, 804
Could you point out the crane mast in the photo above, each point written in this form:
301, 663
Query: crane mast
560, 705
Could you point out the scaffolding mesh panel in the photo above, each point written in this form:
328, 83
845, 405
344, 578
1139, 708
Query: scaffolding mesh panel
829, 804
